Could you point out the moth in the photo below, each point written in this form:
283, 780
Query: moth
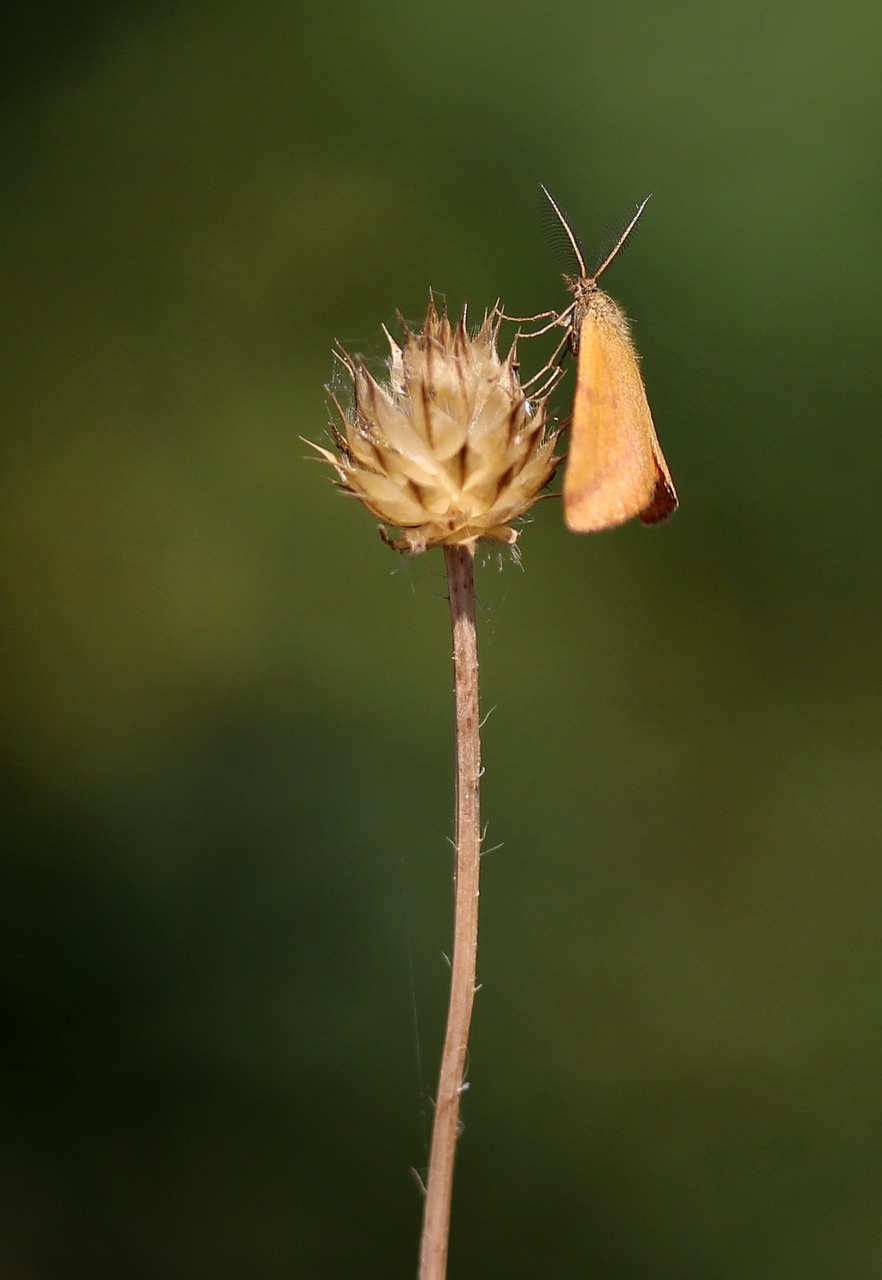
615, 466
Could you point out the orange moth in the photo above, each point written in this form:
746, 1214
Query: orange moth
615, 467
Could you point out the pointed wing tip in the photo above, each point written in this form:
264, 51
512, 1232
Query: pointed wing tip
662, 504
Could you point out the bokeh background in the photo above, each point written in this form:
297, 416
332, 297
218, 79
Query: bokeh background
227, 743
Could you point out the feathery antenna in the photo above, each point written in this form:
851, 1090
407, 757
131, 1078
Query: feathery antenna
566, 242
562, 236
616, 238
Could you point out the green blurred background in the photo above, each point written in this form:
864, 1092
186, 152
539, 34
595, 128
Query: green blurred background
227, 741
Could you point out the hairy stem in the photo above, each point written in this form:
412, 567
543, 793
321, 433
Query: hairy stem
439, 1186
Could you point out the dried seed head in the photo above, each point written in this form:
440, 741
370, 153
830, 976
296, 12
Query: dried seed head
450, 450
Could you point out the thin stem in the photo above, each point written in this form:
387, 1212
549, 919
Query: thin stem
439, 1185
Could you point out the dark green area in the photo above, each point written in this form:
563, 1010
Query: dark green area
226, 756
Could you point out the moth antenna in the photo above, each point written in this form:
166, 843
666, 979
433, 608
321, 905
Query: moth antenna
616, 242
562, 235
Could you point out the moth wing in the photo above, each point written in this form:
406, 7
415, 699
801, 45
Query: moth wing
615, 467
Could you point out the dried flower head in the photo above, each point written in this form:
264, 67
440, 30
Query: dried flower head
451, 449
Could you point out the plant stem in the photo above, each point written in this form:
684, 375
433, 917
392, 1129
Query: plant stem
439, 1184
